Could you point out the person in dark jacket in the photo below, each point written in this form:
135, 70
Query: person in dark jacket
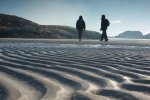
104, 24
80, 26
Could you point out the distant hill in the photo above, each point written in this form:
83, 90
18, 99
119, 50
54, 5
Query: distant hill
17, 27
147, 36
131, 34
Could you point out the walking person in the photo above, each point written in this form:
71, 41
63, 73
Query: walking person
104, 24
80, 26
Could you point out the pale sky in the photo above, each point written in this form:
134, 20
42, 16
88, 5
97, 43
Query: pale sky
123, 14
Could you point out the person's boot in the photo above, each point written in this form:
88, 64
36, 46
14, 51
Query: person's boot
106, 40
79, 39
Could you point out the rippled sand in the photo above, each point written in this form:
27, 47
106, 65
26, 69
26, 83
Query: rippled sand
88, 70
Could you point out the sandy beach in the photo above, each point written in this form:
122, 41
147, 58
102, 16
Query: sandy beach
71, 70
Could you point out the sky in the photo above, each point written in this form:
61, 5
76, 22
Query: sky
123, 15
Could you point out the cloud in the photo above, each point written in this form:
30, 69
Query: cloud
116, 22
98, 23
121, 31
147, 32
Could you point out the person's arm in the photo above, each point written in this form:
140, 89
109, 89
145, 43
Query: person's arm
101, 26
77, 25
84, 25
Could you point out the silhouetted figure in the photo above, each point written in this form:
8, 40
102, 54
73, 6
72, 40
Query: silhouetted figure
104, 24
80, 26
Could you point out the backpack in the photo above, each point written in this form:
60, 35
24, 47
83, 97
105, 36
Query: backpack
107, 22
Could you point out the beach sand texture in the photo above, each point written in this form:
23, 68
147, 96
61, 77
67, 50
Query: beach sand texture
35, 70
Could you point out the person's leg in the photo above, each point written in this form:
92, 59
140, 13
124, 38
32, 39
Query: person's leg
80, 35
102, 36
105, 35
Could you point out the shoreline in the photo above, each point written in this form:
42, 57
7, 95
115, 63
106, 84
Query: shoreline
112, 41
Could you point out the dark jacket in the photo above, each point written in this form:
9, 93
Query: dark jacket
104, 24
80, 25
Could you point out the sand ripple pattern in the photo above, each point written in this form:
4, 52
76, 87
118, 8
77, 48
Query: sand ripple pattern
40, 71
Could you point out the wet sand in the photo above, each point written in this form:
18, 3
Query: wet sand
71, 70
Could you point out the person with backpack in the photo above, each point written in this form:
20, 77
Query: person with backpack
104, 24
80, 26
